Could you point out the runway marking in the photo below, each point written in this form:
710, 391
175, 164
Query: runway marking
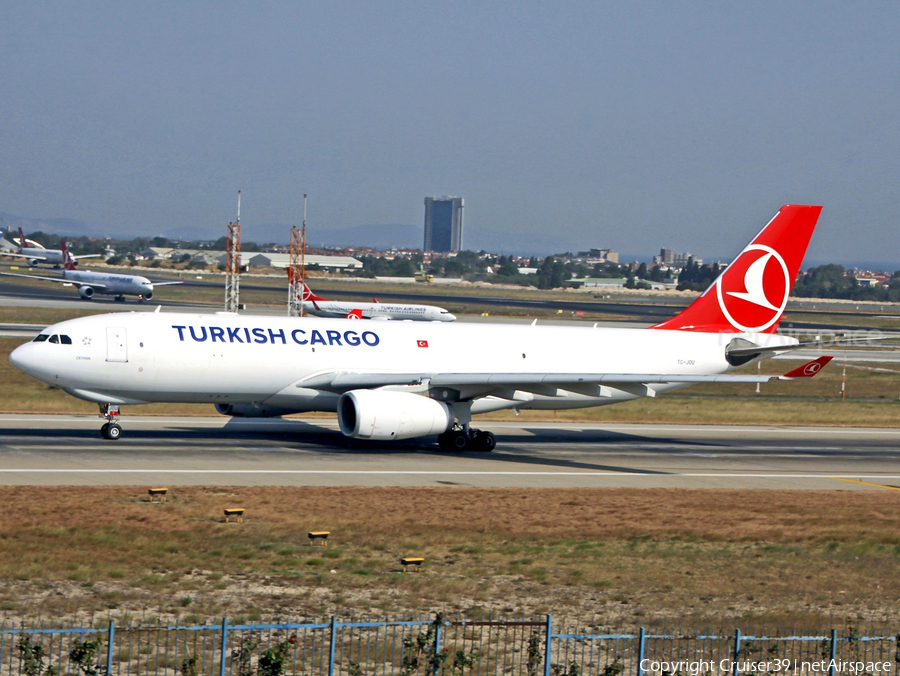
866, 483
648, 474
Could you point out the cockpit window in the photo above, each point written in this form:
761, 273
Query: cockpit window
64, 339
40, 338
54, 339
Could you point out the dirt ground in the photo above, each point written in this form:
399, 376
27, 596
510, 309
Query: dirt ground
613, 557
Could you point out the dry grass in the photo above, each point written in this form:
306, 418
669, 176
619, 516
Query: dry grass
621, 556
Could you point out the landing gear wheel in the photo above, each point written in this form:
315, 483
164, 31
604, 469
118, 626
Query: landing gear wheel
120, 299
485, 442
111, 429
459, 441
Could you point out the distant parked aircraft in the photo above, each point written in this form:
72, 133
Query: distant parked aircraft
89, 283
37, 254
321, 307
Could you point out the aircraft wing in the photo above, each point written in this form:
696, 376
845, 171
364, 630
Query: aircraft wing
94, 285
167, 283
19, 255
482, 384
86, 256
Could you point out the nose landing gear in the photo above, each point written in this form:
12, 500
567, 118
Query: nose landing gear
111, 429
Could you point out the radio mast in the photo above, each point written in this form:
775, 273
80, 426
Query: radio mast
233, 263
297, 268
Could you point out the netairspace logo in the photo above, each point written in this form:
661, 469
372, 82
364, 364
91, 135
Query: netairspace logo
729, 666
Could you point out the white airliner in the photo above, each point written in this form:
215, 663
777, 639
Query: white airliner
89, 283
37, 254
403, 380
320, 307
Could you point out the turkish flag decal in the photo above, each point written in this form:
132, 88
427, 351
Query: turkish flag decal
422, 343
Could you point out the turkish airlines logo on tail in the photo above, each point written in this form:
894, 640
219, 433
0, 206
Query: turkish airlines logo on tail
812, 368
754, 290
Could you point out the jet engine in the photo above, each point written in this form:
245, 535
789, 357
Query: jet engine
252, 410
33, 262
383, 415
87, 292
147, 296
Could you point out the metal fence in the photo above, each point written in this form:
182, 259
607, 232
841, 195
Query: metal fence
436, 647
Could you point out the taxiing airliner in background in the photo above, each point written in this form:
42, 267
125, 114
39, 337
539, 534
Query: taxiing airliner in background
403, 380
320, 307
89, 283
37, 254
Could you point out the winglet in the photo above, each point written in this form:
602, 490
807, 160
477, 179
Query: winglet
809, 369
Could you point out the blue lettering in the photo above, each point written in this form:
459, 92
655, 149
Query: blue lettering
194, 335
370, 339
247, 334
217, 332
296, 339
260, 336
279, 333
334, 337
352, 337
317, 338
180, 330
233, 336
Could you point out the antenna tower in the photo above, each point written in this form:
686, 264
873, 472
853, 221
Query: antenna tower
233, 263
297, 269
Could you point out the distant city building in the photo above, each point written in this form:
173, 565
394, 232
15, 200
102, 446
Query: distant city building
599, 256
673, 259
443, 224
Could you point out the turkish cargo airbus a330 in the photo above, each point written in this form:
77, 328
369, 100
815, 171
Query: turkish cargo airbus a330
402, 380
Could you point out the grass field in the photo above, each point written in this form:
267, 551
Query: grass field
620, 557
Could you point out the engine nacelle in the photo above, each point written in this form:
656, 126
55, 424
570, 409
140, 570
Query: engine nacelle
252, 410
384, 415
147, 296
33, 262
87, 292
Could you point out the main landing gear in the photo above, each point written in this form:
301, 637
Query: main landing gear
111, 429
467, 440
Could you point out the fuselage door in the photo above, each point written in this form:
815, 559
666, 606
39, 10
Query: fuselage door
116, 344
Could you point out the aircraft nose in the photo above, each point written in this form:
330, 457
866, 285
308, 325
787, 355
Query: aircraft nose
450, 317
25, 359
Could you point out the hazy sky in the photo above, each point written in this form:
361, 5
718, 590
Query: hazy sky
633, 125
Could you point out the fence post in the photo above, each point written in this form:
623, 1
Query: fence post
833, 652
331, 648
641, 636
737, 652
548, 639
437, 643
110, 638
224, 645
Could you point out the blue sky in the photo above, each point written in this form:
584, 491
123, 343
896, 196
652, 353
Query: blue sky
632, 125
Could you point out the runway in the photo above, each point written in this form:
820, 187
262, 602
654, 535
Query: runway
68, 450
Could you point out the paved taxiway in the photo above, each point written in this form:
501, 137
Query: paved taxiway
59, 450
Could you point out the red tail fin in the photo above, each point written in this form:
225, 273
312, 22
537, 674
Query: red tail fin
22, 242
751, 293
355, 314
68, 261
308, 295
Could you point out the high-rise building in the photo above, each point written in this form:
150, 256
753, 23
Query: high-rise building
443, 223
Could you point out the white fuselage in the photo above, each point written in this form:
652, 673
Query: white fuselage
38, 255
275, 361
333, 308
110, 283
